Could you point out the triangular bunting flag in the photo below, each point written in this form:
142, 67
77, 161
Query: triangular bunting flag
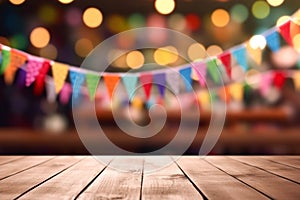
265, 83
39, 83
224, 94
33, 67
172, 78
111, 82
296, 78
17, 59
278, 79
187, 79
160, 81
285, 31
59, 72
146, 81
77, 79
255, 54
212, 69
92, 81
5, 60
200, 69
273, 41
204, 99
65, 93
226, 61
240, 55
130, 82
236, 91
51, 91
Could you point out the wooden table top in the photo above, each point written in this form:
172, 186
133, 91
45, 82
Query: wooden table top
189, 177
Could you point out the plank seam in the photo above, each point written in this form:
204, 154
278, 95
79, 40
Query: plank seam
142, 180
283, 163
238, 179
12, 160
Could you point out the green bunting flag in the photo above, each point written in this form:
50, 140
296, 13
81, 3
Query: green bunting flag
92, 81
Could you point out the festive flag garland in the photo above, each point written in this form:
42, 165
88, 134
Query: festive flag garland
37, 68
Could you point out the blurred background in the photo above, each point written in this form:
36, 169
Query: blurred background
67, 31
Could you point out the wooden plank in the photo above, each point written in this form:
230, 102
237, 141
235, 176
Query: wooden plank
269, 184
273, 167
69, 183
20, 165
214, 183
115, 184
293, 161
21, 183
167, 183
7, 159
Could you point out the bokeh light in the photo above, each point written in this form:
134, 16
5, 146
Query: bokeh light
48, 14
177, 22
258, 42
83, 47
192, 22
275, 2
214, 50
4, 41
65, 1
285, 57
196, 51
136, 20
164, 6
220, 18
283, 19
19, 41
239, 13
116, 23
260, 9
39, 37
165, 55
92, 17
49, 51
73, 16
135, 59
17, 2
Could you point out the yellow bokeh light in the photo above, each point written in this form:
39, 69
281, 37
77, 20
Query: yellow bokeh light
65, 1
164, 6
275, 2
283, 19
39, 37
49, 52
258, 42
135, 59
214, 50
92, 17
296, 42
260, 9
196, 51
83, 47
165, 55
17, 2
220, 17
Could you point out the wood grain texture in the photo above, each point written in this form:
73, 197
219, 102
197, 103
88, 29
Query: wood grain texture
20, 183
267, 183
7, 159
115, 184
214, 183
293, 161
167, 183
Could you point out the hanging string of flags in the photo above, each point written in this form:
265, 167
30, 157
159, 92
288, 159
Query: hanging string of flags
35, 71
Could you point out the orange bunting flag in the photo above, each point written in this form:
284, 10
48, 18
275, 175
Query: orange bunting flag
17, 59
111, 82
59, 72
296, 78
236, 91
224, 94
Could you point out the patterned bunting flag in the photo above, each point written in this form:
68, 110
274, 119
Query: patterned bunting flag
111, 82
187, 79
278, 79
5, 60
226, 61
65, 93
146, 81
92, 81
240, 55
255, 54
212, 68
77, 79
200, 69
160, 81
33, 67
296, 78
39, 83
59, 72
172, 79
285, 31
130, 82
17, 59
236, 91
273, 41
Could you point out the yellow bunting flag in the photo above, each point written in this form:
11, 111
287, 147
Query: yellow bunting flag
236, 91
17, 59
204, 99
296, 78
111, 82
255, 54
59, 72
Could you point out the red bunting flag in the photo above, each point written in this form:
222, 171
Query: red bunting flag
285, 31
39, 83
226, 61
146, 81
278, 79
111, 82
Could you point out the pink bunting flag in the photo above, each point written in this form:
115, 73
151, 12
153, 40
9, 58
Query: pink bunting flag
200, 69
33, 67
146, 81
65, 93
226, 61
265, 83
